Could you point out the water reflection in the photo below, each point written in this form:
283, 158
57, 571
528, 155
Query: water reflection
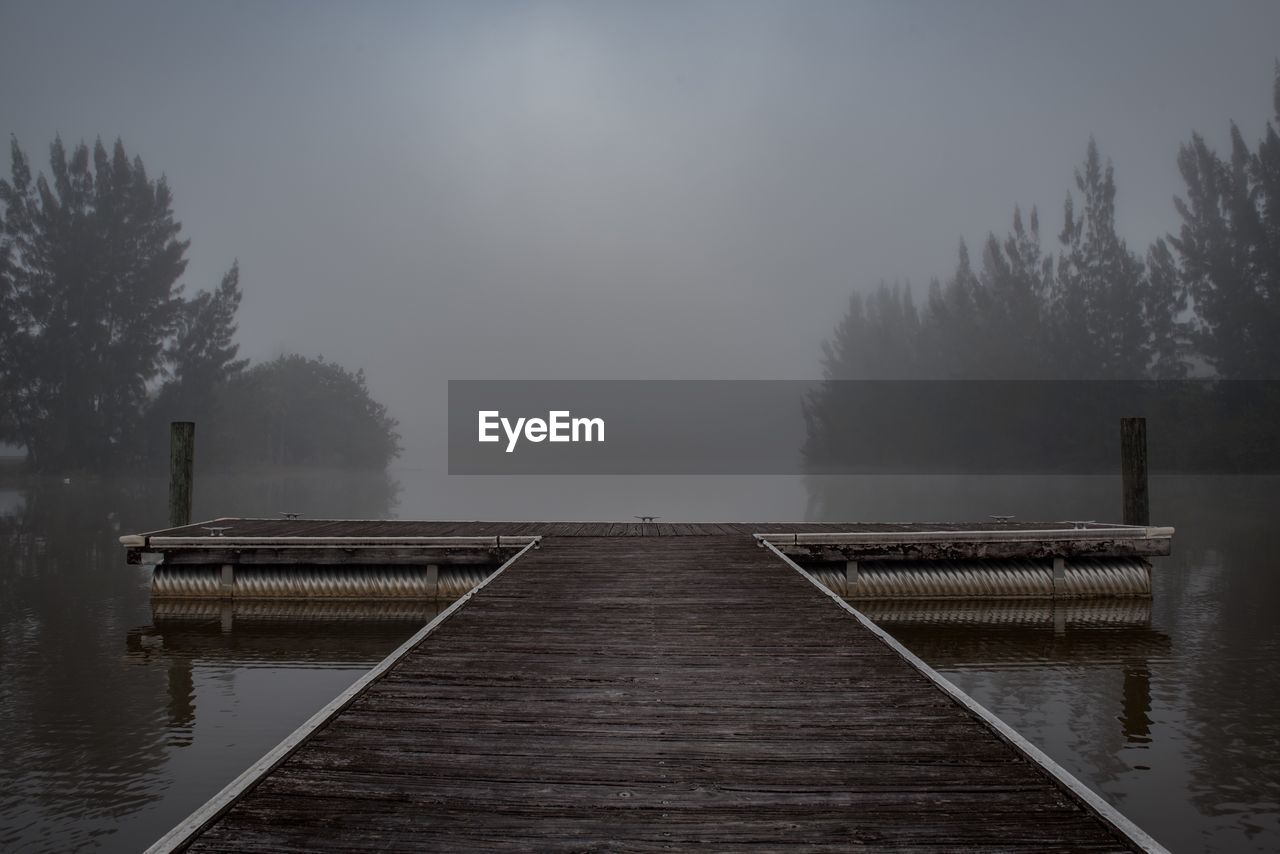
1136, 711
941, 615
298, 633
117, 721
1175, 722
1104, 637
59, 613
185, 635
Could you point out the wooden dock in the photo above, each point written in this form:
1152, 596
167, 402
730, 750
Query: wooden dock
312, 559
227, 530
606, 692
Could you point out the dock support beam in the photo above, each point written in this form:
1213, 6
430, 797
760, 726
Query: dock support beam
182, 443
1133, 471
433, 579
850, 576
227, 581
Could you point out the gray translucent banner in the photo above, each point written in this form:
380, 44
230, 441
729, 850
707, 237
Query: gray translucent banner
704, 427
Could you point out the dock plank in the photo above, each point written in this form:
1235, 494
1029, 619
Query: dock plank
604, 693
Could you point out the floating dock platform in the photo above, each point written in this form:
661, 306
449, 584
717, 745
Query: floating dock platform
648, 688
274, 559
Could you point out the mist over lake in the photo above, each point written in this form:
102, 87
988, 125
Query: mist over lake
861, 270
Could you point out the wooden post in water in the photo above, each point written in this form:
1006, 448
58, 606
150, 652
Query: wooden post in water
182, 445
1133, 471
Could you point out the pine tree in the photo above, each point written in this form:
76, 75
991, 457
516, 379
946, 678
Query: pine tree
96, 255
1229, 250
92, 303
1165, 305
952, 323
201, 358
1100, 324
878, 337
204, 349
1011, 342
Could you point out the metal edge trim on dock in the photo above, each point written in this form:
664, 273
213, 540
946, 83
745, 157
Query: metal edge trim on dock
146, 534
309, 519
1074, 787
1067, 534
186, 831
223, 541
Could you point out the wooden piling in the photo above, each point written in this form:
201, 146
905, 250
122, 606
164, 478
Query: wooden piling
1133, 471
182, 439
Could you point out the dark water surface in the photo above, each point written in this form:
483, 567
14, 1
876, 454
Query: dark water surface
1175, 719
117, 721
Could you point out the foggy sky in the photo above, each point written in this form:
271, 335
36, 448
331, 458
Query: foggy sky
630, 190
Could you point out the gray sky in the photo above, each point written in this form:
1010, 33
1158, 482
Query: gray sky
632, 190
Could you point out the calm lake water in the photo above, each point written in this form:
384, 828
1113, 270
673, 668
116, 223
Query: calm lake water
117, 721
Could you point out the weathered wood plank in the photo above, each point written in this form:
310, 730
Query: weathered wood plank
606, 693
303, 556
954, 551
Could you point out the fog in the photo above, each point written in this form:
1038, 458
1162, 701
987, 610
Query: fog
508, 192
607, 190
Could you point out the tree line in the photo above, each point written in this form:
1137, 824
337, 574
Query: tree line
100, 346
1203, 302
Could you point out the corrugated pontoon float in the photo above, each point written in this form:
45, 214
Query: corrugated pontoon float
233, 558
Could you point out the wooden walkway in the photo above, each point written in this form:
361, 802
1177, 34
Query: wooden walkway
605, 693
